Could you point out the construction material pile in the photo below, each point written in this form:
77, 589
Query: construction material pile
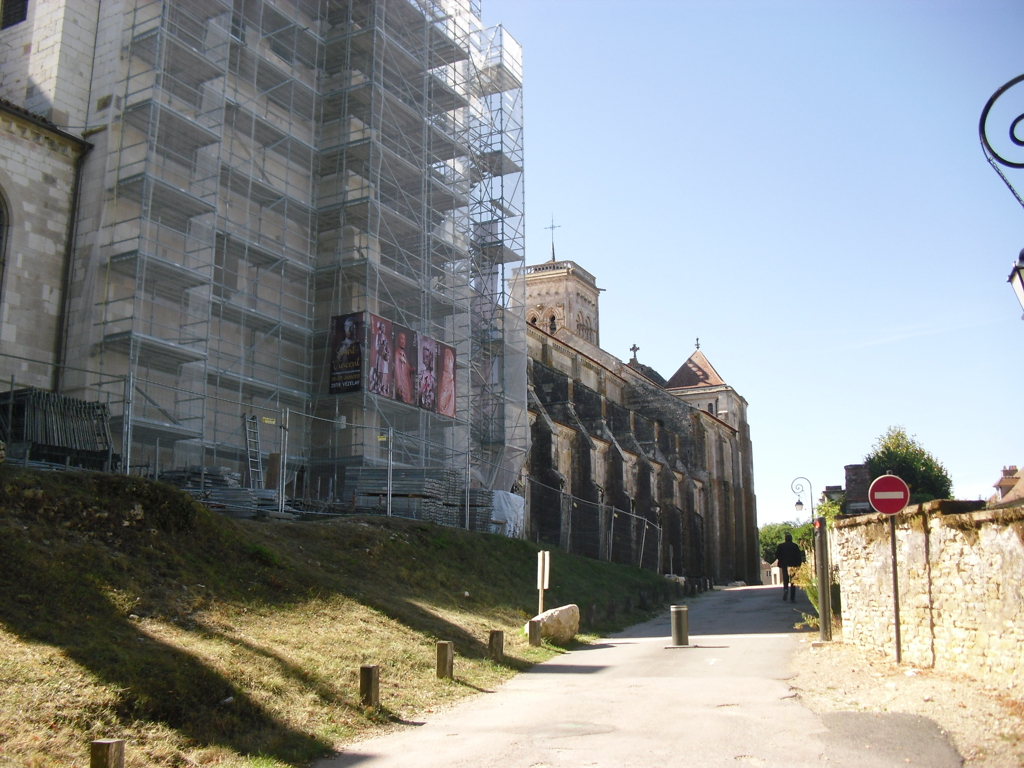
434, 495
40, 426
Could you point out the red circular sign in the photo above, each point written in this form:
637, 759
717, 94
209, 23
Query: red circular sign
888, 494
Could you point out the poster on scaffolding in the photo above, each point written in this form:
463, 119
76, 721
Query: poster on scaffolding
426, 383
406, 364
381, 376
445, 380
346, 347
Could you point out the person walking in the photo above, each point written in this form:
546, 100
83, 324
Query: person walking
788, 555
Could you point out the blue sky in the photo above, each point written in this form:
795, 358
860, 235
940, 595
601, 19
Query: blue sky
799, 184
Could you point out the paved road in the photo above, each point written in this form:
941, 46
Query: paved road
629, 701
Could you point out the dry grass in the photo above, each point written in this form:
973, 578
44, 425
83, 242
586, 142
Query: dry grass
127, 611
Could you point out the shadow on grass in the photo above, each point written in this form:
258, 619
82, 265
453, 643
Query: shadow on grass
324, 690
60, 604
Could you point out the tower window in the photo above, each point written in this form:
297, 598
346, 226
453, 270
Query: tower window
12, 12
552, 324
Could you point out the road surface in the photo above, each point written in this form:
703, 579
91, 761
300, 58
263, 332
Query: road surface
629, 701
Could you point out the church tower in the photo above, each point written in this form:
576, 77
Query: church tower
561, 294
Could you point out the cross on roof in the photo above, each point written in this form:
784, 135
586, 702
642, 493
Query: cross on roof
698, 342
634, 349
553, 227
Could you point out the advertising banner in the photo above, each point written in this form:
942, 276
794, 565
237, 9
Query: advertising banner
426, 386
446, 380
346, 360
406, 365
381, 376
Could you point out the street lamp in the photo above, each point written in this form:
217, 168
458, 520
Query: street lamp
798, 488
1016, 278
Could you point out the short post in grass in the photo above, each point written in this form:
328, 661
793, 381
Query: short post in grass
496, 645
445, 659
106, 753
369, 685
533, 632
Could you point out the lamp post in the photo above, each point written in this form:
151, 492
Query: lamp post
1016, 278
798, 488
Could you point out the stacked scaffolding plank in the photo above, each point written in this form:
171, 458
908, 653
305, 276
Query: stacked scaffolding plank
45, 426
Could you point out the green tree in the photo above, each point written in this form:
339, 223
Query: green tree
903, 455
773, 534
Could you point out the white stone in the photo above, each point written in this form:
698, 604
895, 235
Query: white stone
559, 625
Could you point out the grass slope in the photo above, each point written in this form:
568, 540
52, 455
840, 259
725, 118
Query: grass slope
129, 611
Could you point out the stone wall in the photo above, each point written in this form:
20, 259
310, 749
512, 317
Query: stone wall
37, 178
961, 583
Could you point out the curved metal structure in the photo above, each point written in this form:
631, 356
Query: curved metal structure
798, 489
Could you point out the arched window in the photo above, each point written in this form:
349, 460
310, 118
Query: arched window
552, 324
533, 320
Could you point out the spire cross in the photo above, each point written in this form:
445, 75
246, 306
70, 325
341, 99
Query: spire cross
634, 349
553, 227
698, 342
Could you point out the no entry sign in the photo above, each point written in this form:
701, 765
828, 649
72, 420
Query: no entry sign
888, 494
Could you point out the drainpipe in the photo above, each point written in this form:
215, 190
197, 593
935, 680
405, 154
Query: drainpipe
69, 252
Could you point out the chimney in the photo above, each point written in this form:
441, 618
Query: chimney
857, 483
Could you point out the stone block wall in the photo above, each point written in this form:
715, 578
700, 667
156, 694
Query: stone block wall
37, 176
961, 584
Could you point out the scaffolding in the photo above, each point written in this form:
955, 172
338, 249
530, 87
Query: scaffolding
280, 164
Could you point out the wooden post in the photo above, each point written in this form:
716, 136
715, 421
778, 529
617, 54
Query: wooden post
445, 659
106, 753
496, 645
369, 685
534, 632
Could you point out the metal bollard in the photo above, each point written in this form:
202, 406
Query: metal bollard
369, 685
680, 625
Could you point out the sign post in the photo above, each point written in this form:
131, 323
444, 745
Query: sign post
889, 495
543, 577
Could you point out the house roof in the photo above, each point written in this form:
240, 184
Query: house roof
695, 372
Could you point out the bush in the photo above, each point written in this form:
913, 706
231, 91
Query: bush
807, 580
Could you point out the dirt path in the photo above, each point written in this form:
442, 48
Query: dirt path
984, 720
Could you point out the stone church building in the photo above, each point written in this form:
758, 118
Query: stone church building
625, 465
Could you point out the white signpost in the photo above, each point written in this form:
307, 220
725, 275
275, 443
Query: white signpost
889, 495
543, 577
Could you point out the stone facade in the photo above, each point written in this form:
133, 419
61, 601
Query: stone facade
38, 167
561, 294
961, 591
50, 69
622, 468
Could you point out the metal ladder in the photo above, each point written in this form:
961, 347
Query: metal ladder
252, 447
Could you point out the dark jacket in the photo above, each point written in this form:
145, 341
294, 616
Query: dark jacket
789, 555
